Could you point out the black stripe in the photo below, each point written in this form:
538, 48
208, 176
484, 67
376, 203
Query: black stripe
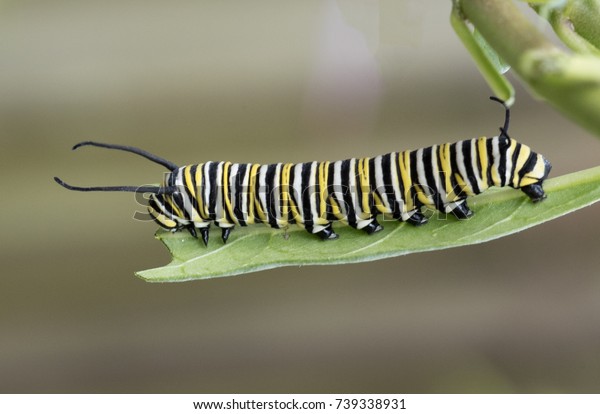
307, 217
515, 157
432, 187
214, 187
372, 186
226, 179
386, 161
255, 197
489, 146
271, 188
176, 197
192, 184
346, 193
240, 193
471, 178
152, 203
414, 177
503, 149
529, 165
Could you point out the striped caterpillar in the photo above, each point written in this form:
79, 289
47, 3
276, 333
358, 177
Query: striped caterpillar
355, 191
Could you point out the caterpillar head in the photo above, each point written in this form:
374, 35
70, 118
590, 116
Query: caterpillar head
532, 175
157, 208
163, 200
530, 168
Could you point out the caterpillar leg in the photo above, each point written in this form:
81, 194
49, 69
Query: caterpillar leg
417, 219
372, 227
462, 211
225, 231
192, 230
327, 233
369, 225
204, 234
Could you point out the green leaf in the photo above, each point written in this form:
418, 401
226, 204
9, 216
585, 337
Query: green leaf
489, 63
498, 212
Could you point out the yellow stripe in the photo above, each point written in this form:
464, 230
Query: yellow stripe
335, 209
423, 198
167, 222
535, 174
404, 163
521, 160
187, 175
379, 204
295, 214
199, 184
363, 170
484, 161
444, 155
285, 192
323, 174
463, 185
226, 197
176, 209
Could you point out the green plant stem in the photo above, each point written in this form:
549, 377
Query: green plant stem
571, 83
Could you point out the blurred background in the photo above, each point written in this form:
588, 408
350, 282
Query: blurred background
267, 81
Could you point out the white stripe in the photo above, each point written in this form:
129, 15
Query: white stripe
379, 185
395, 174
297, 191
219, 203
475, 163
439, 185
187, 201
508, 164
277, 195
425, 186
206, 182
496, 152
312, 187
338, 191
262, 194
354, 187
233, 172
245, 208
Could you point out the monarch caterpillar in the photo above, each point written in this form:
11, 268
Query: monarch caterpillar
314, 194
